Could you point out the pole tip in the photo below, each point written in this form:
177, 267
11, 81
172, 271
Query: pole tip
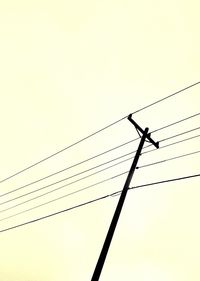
129, 116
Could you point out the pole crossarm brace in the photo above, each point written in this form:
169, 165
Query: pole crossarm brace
139, 129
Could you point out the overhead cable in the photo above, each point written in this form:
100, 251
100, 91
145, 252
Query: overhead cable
173, 143
65, 185
177, 122
89, 186
168, 159
167, 97
64, 196
58, 152
87, 170
67, 168
180, 134
95, 200
101, 154
96, 132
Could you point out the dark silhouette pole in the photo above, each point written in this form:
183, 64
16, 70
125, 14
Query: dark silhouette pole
107, 242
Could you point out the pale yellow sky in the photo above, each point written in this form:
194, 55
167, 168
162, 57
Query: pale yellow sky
68, 68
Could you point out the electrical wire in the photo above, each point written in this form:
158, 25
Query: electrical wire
69, 167
96, 200
64, 196
180, 134
62, 150
96, 132
58, 188
87, 170
80, 173
165, 181
100, 154
170, 144
177, 122
167, 97
169, 159
171, 137
89, 186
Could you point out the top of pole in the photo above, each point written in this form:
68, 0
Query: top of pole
156, 144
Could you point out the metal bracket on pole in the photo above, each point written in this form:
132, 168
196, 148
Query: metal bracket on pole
138, 128
111, 230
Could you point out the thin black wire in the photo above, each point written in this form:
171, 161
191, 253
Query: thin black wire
179, 121
85, 177
165, 181
170, 144
87, 170
180, 134
95, 200
58, 152
116, 193
95, 156
89, 186
96, 132
168, 159
69, 167
167, 97
171, 137
58, 188
66, 195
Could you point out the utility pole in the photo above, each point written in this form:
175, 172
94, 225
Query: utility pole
144, 136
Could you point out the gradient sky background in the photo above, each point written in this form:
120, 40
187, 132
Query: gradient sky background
68, 68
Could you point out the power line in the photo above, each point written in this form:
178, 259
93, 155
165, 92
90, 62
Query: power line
96, 200
101, 154
177, 122
60, 187
57, 213
69, 167
167, 97
89, 186
64, 196
96, 132
180, 134
173, 143
174, 136
87, 170
169, 159
166, 181
58, 152
80, 179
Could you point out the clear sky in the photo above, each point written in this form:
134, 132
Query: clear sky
67, 69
